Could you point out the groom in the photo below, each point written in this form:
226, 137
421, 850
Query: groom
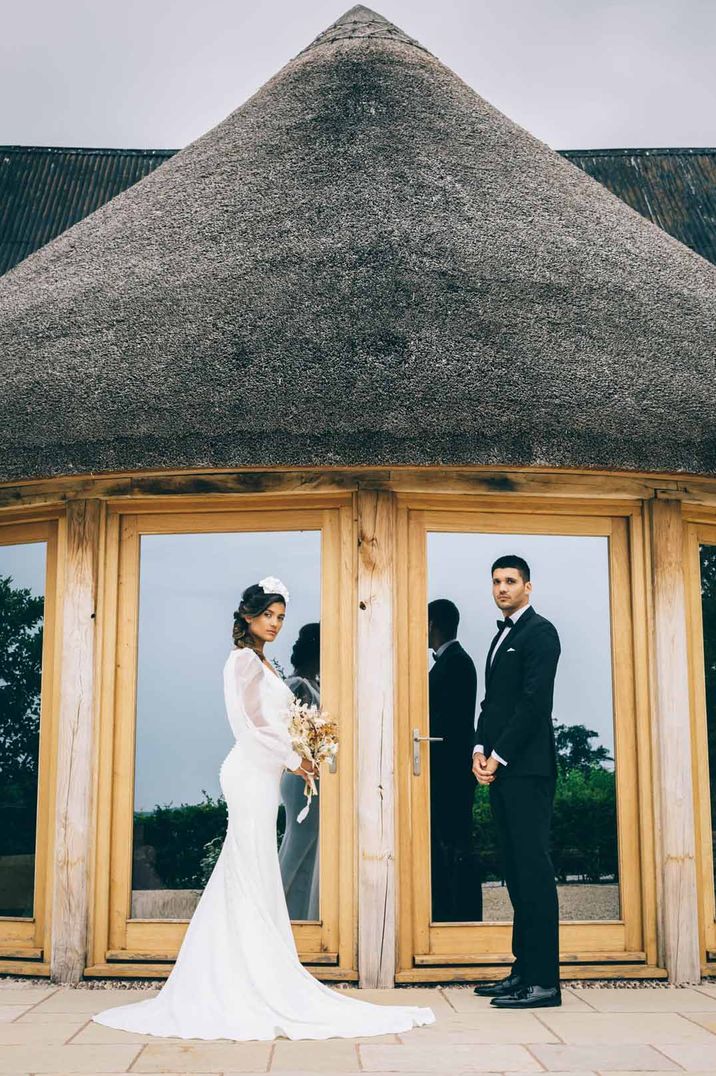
515, 755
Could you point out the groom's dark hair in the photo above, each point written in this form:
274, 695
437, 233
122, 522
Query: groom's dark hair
445, 615
511, 561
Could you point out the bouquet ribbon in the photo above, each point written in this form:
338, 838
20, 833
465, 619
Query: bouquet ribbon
310, 792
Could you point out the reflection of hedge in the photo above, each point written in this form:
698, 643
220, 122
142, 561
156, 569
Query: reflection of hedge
17, 822
183, 843
584, 827
177, 835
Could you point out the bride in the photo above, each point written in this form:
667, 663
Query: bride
237, 974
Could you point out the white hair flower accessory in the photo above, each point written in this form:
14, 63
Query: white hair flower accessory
272, 585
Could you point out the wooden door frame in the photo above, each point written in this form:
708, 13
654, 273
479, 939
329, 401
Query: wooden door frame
700, 528
616, 950
25, 941
120, 946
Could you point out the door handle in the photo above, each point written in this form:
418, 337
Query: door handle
417, 740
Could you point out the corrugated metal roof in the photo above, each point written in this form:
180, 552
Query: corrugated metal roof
44, 190
674, 188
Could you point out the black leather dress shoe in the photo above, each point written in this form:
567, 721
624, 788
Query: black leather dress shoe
529, 997
500, 989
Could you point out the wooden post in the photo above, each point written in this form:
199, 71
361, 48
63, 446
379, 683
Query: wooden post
70, 895
675, 843
375, 693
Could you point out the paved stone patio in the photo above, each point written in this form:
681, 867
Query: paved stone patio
47, 1029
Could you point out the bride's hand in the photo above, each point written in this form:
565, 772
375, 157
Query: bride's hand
306, 769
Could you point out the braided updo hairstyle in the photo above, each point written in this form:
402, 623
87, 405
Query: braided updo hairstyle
253, 602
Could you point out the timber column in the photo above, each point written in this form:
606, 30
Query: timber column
71, 880
375, 709
675, 835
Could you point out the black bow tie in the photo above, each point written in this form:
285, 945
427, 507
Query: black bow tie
506, 623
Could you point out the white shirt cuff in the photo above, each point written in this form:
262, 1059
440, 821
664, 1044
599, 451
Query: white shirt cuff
498, 757
293, 761
477, 749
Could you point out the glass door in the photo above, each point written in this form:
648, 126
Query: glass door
581, 577
179, 580
28, 556
701, 592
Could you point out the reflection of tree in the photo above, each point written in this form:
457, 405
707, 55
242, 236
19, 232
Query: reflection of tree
708, 609
20, 677
584, 823
574, 751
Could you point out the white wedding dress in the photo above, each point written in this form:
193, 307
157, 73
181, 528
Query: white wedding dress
237, 974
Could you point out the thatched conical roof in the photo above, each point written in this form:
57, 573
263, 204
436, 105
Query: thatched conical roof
366, 263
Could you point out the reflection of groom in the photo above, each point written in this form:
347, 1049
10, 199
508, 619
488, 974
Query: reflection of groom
455, 875
515, 755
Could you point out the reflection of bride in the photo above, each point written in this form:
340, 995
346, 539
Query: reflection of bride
237, 974
298, 855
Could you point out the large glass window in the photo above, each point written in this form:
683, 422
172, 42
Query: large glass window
22, 590
190, 585
707, 556
570, 576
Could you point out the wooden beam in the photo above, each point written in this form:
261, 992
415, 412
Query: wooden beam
566, 971
162, 971
375, 778
675, 841
212, 484
71, 878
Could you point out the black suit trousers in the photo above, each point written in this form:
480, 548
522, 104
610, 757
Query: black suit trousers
522, 810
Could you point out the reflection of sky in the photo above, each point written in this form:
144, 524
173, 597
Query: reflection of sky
190, 586
26, 564
570, 581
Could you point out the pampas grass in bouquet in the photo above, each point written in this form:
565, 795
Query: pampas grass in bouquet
315, 736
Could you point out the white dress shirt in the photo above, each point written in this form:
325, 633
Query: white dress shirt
514, 617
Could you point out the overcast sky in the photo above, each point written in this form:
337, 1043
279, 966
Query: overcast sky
159, 73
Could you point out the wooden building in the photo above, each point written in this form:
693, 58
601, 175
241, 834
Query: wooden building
367, 308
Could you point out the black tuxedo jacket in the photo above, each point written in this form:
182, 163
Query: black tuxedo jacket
516, 713
453, 694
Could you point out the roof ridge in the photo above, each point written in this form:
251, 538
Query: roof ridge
88, 151
359, 23
639, 151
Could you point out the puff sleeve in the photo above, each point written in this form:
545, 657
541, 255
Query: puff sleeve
249, 709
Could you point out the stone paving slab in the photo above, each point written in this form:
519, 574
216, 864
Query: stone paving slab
202, 1057
11, 1012
447, 1059
90, 1001
67, 1059
25, 995
484, 1027
661, 999
37, 1034
598, 1027
435, 999
334, 1055
692, 1056
604, 1058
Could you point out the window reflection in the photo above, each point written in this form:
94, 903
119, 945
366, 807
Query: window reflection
571, 588
22, 585
708, 609
189, 587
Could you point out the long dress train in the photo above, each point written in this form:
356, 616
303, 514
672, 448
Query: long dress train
237, 974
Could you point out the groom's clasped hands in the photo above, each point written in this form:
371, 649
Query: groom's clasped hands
484, 768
